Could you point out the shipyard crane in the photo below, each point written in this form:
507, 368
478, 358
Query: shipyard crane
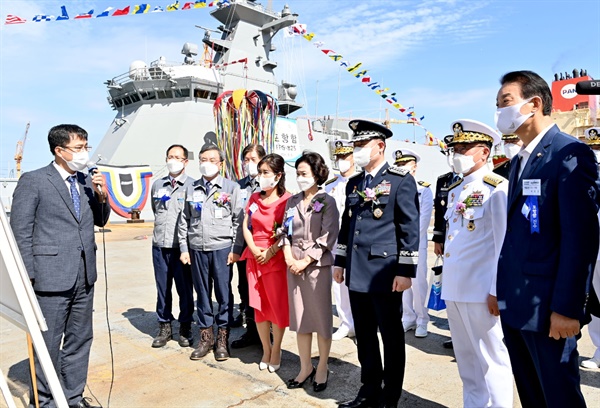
19, 152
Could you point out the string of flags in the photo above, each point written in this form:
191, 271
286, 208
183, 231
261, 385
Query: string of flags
357, 70
112, 12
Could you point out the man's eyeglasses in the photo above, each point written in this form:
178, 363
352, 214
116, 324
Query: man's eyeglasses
78, 149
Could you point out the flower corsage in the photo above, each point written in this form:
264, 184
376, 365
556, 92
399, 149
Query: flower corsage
221, 199
317, 204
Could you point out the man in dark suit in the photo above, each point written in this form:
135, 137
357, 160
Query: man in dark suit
251, 155
440, 201
550, 246
54, 211
378, 246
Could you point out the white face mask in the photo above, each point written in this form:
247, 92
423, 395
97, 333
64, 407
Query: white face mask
208, 169
251, 169
408, 167
511, 150
449, 161
362, 156
510, 118
305, 182
462, 164
79, 161
343, 165
267, 183
174, 166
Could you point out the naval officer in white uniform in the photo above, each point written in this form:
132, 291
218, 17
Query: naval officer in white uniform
336, 187
476, 224
414, 312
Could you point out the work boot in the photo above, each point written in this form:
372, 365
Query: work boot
207, 341
164, 335
185, 334
222, 349
249, 338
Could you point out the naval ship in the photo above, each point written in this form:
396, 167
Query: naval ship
162, 103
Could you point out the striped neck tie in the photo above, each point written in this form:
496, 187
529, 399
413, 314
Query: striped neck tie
368, 180
75, 194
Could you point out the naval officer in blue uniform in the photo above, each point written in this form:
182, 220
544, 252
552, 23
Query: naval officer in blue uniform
378, 248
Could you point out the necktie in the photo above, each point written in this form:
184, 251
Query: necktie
368, 180
208, 186
75, 194
173, 183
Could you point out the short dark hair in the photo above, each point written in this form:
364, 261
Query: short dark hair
185, 151
209, 147
317, 166
276, 163
61, 135
260, 151
531, 85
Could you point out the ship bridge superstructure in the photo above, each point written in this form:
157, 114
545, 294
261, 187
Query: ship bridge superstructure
163, 103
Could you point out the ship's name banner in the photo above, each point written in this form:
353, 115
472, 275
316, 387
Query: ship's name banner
137, 9
358, 71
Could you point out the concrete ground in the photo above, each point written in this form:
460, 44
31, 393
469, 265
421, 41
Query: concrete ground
166, 377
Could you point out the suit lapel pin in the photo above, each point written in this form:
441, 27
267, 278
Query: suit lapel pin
539, 155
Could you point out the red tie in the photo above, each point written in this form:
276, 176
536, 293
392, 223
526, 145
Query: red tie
173, 183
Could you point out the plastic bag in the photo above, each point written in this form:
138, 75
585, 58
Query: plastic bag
435, 301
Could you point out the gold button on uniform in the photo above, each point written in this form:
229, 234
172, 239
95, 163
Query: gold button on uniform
447, 254
450, 237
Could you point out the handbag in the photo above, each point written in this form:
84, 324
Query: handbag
435, 301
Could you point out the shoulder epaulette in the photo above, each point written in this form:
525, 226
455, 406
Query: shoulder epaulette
423, 183
493, 179
449, 174
328, 182
356, 174
456, 183
397, 170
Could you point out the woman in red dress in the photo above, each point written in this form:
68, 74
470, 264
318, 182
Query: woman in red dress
266, 268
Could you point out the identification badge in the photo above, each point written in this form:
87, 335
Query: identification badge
532, 187
244, 194
253, 208
291, 212
198, 197
218, 213
162, 192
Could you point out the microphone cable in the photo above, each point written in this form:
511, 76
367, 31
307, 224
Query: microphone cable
110, 343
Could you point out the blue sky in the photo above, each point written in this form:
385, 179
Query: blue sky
442, 57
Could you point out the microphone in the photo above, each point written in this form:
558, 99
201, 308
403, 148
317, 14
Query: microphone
587, 87
93, 169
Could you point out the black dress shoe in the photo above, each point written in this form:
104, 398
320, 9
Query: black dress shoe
249, 338
448, 344
292, 383
238, 321
318, 387
85, 403
360, 402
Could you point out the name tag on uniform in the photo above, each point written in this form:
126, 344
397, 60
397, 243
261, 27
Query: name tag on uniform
218, 213
532, 187
244, 194
291, 212
253, 208
162, 192
198, 197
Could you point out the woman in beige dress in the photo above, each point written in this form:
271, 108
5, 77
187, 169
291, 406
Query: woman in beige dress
311, 225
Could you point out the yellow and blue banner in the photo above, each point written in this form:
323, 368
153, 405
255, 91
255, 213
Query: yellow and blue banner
128, 187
